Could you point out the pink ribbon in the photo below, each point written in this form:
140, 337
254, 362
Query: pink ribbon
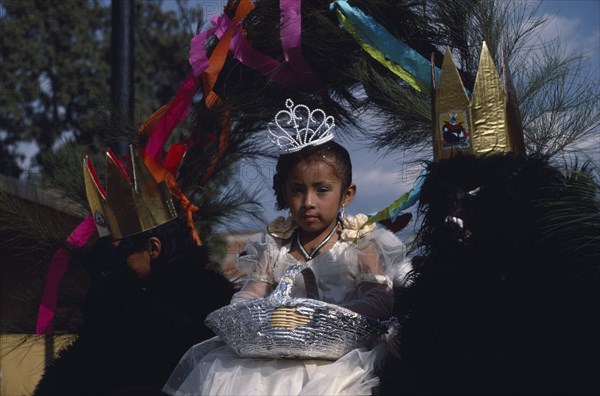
244, 52
177, 111
290, 34
56, 270
198, 57
295, 72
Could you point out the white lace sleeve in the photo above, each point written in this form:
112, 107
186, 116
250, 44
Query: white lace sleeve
381, 251
380, 255
256, 262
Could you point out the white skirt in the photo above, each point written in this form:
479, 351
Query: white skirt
212, 368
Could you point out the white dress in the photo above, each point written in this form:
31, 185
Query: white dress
357, 275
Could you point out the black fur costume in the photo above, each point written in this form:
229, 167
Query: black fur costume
135, 331
509, 303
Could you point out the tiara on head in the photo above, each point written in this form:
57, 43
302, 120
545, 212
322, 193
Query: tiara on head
299, 127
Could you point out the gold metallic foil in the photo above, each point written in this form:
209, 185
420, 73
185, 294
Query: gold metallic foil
488, 108
450, 98
490, 121
131, 204
95, 197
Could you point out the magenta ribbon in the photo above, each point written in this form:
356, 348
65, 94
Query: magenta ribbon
294, 73
179, 108
198, 57
291, 41
244, 52
56, 270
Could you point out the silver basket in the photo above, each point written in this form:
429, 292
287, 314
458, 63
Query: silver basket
280, 326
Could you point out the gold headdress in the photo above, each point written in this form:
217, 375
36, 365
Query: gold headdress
489, 122
128, 205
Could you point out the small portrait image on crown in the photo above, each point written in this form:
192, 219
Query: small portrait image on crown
455, 129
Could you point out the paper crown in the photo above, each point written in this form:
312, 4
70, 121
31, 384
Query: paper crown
488, 122
128, 205
299, 127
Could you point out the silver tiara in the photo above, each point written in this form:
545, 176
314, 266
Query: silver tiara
299, 127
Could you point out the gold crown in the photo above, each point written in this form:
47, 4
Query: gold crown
128, 205
489, 122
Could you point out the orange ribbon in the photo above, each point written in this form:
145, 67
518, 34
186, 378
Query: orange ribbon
147, 127
161, 174
219, 55
209, 78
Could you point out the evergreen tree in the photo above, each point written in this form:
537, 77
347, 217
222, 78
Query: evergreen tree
53, 69
56, 71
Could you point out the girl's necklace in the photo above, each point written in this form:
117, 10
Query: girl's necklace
316, 250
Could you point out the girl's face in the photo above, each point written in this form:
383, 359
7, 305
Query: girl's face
314, 194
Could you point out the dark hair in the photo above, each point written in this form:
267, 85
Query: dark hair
330, 150
174, 236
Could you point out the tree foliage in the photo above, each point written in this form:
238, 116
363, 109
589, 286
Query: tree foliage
56, 71
53, 69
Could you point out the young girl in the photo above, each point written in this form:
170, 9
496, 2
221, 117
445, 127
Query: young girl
353, 266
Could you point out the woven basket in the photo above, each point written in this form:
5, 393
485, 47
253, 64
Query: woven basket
279, 326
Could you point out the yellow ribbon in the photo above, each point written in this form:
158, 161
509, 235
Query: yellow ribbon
380, 56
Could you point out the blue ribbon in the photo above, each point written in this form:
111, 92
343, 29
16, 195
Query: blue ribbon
374, 34
407, 200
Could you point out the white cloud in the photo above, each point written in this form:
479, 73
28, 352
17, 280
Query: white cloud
382, 183
576, 25
377, 182
573, 33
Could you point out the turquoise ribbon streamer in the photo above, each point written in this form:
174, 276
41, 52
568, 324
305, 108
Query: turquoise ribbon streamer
377, 36
407, 200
